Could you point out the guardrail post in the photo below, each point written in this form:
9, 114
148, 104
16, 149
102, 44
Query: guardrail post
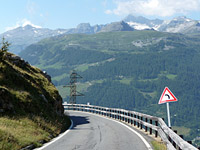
118, 114
150, 128
134, 120
86, 110
94, 110
156, 132
122, 115
128, 119
125, 117
146, 128
190, 142
141, 125
174, 143
138, 124
182, 138
131, 118
114, 115
169, 139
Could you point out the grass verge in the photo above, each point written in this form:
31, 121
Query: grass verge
158, 145
16, 133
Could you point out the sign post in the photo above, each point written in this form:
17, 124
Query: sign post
168, 115
166, 97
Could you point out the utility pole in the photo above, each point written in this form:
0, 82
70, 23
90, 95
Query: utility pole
72, 85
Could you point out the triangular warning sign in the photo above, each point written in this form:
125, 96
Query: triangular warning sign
167, 96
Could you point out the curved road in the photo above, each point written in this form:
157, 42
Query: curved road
92, 132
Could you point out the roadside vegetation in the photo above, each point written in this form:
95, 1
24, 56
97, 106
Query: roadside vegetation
19, 132
31, 110
158, 145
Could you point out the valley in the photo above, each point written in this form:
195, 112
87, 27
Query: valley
118, 73
112, 59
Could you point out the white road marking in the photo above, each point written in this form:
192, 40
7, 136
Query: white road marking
61, 135
57, 138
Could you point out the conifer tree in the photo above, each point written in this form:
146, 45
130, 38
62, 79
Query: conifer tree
4, 48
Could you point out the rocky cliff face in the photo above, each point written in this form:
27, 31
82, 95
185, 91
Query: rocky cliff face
26, 89
31, 110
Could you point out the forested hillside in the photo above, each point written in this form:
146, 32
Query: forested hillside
127, 70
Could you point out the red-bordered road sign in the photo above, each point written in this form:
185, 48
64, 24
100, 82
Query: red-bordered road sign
167, 96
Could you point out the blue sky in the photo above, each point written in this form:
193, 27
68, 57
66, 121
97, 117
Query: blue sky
55, 14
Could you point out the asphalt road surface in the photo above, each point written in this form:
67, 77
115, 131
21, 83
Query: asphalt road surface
92, 132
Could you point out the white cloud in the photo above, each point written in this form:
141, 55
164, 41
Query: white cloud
22, 23
162, 8
104, 3
31, 7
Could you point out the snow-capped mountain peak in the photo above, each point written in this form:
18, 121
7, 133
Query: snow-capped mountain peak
178, 24
28, 23
138, 26
142, 23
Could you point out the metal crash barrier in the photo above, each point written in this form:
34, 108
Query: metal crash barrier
151, 124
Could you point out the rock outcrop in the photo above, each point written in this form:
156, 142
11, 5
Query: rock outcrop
27, 89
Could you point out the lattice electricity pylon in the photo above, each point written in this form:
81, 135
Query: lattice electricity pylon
73, 93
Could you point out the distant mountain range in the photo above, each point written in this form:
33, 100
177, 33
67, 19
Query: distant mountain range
22, 37
177, 25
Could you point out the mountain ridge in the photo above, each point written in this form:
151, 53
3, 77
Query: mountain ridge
28, 34
179, 24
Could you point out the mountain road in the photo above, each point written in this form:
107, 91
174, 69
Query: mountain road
93, 132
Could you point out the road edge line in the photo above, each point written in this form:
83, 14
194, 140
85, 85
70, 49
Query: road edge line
57, 138
138, 134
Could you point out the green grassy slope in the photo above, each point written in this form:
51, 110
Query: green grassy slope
30, 106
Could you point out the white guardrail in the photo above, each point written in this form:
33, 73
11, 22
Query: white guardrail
151, 124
